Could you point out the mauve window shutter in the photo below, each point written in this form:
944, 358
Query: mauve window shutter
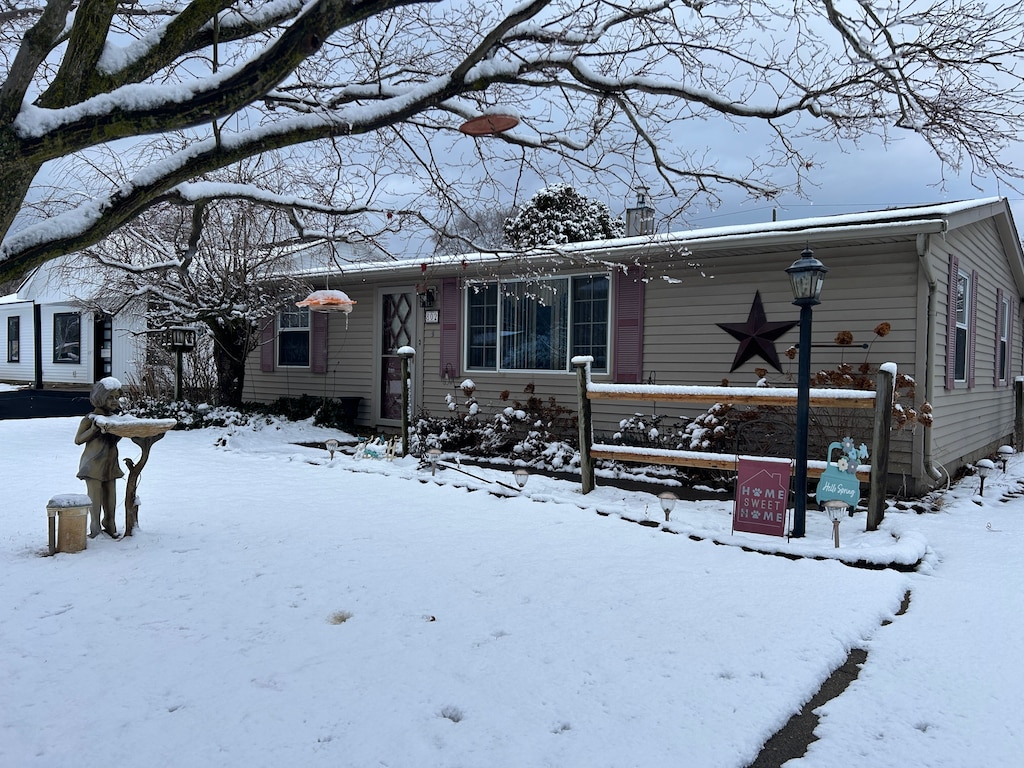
954, 271
972, 328
628, 340
318, 342
451, 341
267, 345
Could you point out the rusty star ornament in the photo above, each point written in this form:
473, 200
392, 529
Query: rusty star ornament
756, 336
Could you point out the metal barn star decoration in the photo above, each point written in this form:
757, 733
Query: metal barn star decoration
756, 336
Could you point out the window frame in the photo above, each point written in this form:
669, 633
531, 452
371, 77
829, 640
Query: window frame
962, 327
290, 330
14, 339
491, 315
60, 339
1003, 340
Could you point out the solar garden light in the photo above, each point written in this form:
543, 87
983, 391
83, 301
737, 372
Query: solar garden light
835, 510
521, 476
433, 456
806, 276
668, 500
331, 445
1005, 452
985, 467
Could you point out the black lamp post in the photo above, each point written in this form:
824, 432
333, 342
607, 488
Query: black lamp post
806, 275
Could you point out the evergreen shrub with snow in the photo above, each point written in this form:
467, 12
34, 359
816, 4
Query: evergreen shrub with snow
559, 214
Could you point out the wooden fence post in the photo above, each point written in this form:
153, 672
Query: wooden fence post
584, 421
884, 393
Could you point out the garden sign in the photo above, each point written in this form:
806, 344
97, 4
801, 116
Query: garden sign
839, 480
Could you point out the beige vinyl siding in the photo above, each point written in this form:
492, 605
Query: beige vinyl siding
350, 361
982, 415
683, 345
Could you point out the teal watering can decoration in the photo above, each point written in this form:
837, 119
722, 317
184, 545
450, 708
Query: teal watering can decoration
839, 480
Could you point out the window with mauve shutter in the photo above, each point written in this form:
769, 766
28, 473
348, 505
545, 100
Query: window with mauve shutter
318, 342
628, 366
267, 346
451, 340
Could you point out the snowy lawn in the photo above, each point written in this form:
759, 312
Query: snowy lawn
278, 608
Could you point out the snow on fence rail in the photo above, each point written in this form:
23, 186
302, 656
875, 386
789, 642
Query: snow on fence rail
880, 400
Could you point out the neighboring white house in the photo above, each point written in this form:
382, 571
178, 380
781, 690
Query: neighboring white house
50, 338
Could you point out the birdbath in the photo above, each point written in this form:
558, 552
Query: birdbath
142, 432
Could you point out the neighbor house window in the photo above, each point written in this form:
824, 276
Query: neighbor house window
13, 339
293, 337
67, 337
1003, 349
537, 325
963, 300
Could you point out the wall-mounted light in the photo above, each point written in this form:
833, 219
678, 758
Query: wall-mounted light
426, 295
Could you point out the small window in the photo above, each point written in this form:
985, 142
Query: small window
13, 339
963, 305
293, 337
1004, 338
67, 338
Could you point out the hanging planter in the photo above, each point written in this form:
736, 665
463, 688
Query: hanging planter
327, 301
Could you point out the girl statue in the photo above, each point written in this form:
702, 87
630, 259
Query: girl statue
99, 467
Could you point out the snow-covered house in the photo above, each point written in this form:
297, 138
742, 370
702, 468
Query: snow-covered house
947, 279
50, 338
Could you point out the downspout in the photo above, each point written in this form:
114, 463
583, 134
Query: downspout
37, 344
924, 246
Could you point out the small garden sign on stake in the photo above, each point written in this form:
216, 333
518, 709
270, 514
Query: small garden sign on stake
839, 480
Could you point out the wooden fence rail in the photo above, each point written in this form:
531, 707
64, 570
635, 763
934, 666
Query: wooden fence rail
880, 400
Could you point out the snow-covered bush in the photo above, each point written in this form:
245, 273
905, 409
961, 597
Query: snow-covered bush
559, 214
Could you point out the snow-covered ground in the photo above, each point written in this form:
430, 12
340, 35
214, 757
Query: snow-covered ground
276, 608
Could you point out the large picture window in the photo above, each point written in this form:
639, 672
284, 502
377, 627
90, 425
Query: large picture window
293, 337
67, 337
13, 339
537, 325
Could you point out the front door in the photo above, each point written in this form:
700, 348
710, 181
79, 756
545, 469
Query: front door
103, 346
397, 330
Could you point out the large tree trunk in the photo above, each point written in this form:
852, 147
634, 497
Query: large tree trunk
230, 348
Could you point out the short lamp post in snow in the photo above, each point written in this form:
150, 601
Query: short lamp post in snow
806, 276
835, 511
985, 468
1005, 452
668, 500
406, 354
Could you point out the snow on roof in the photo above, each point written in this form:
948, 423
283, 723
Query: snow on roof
908, 218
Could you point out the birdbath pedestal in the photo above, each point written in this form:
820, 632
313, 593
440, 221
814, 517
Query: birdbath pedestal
142, 432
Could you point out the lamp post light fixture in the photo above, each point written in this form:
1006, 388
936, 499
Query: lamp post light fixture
331, 446
433, 456
1005, 452
985, 467
835, 511
521, 476
668, 500
806, 276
